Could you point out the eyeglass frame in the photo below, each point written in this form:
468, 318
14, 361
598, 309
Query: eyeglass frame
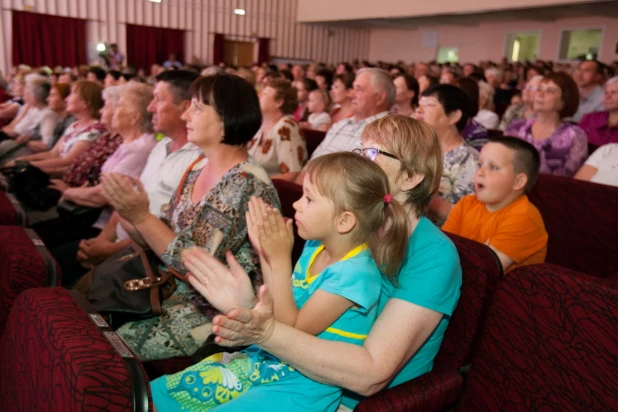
377, 151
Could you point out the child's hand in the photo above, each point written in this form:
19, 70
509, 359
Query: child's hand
255, 216
276, 236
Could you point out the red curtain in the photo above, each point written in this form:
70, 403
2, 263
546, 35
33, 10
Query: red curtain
41, 39
263, 50
218, 49
149, 45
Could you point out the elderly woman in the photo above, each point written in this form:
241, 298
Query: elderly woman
207, 211
602, 127
279, 146
36, 113
11, 109
445, 108
415, 311
485, 115
406, 98
524, 110
132, 121
84, 103
341, 93
563, 146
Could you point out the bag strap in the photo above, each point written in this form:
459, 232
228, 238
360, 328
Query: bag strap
184, 178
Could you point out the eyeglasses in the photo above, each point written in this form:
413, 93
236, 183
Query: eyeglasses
371, 153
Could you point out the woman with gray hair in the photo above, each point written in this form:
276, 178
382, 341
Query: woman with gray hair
37, 122
486, 116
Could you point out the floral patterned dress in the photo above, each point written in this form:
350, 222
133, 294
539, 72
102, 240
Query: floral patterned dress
217, 224
457, 180
283, 149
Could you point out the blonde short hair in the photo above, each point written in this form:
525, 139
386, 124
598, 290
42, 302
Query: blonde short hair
140, 95
417, 147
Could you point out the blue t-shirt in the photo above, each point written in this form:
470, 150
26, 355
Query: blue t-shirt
431, 278
356, 278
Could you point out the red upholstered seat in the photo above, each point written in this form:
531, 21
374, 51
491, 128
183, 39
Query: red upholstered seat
11, 212
25, 263
581, 219
442, 386
53, 357
549, 343
313, 139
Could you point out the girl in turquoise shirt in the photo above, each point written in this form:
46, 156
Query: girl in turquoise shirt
335, 290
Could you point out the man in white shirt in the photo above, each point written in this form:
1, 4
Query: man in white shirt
165, 166
589, 79
374, 94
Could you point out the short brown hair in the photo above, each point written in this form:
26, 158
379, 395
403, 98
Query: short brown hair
526, 158
286, 92
63, 89
92, 94
570, 92
417, 147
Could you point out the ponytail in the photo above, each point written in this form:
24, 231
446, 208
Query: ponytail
389, 246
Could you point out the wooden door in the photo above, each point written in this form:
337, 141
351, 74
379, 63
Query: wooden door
238, 53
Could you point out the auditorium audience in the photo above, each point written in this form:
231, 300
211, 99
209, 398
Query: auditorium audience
341, 93
298, 72
499, 213
132, 121
602, 166
524, 110
602, 127
318, 104
589, 79
164, 168
207, 211
474, 133
501, 97
84, 103
485, 116
278, 146
406, 96
445, 108
303, 88
563, 146
324, 79
10, 109
418, 307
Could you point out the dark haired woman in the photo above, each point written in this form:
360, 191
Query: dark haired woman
208, 211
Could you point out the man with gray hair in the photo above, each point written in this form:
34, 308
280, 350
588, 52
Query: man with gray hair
374, 94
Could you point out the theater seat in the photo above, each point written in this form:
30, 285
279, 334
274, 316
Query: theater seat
313, 139
441, 388
549, 343
25, 263
581, 219
11, 212
56, 357
4, 184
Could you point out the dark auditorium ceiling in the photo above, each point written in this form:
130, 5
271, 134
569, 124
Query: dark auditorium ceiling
600, 8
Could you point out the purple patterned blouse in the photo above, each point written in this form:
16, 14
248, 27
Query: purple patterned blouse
562, 153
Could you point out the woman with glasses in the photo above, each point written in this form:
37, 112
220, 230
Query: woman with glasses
414, 312
562, 145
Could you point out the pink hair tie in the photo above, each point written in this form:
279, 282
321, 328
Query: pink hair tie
388, 198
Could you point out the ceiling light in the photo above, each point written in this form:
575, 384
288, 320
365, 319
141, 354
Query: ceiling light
240, 12
155, 1
101, 47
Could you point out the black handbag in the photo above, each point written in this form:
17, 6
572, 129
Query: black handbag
130, 286
30, 185
75, 214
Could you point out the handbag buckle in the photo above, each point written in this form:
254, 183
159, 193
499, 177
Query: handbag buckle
140, 284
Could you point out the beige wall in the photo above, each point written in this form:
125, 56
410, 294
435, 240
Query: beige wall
275, 19
487, 40
331, 10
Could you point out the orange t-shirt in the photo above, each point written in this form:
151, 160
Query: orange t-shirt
516, 230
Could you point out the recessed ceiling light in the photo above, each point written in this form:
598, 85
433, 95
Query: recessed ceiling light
156, 1
240, 12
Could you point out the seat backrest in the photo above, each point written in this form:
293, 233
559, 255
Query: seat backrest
54, 357
313, 139
25, 263
11, 212
581, 219
481, 270
289, 193
550, 342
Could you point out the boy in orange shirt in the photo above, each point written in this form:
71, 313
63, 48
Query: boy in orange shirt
499, 214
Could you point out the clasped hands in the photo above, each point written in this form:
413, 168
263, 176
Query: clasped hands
249, 319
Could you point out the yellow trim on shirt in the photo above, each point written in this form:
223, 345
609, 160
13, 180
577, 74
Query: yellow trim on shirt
346, 334
348, 255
